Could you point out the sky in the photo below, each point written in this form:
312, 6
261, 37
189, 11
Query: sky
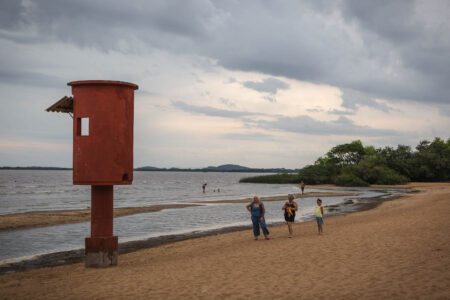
257, 83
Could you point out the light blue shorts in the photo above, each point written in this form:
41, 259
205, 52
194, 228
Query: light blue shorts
319, 221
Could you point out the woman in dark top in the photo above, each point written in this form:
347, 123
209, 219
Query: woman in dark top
257, 211
290, 207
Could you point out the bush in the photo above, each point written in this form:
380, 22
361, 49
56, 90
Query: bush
389, 176
273, 178
316, 174
350, 179
374, 171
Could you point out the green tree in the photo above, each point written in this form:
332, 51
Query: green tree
347, 154
432, 161
399, 160
353, 164
370, 151
373, 170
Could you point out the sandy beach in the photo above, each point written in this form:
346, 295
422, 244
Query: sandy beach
399, 250
57, 217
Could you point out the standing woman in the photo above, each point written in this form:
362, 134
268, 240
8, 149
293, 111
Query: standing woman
257, 211
290, 207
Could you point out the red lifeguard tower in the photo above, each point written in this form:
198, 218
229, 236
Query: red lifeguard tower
103, 114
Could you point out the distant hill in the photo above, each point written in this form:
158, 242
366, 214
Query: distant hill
221, 168
227, 168
35, 168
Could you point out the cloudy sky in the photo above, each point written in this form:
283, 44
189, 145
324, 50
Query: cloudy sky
256, 83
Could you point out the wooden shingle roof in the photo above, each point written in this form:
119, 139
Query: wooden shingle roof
63, 105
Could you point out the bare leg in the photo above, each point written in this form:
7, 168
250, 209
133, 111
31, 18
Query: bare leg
290, 229
320, 228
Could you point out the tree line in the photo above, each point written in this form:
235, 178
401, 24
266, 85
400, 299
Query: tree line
354, 164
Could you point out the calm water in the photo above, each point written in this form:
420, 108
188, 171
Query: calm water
22, 191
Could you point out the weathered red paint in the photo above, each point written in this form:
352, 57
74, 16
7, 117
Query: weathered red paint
102, 244
102, 210
105, 156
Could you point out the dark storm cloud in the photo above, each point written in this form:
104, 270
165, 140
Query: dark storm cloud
340, 112
104, 25
298, 124
400, 54
417, 33
352, 99
390, 49
9, 13
249, 137
29, 78
308, 125
390, 19
211, 111
268, 85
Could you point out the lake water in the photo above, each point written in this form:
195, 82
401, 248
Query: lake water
23, 191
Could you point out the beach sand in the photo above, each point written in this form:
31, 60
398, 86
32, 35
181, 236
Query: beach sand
399, 250
57, 217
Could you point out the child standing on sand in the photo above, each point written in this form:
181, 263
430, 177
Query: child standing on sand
319, 216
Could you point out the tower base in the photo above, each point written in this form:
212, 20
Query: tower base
101, 252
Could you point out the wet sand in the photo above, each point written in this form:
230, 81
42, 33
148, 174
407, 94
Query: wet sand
399, 250
284, 197
49, 218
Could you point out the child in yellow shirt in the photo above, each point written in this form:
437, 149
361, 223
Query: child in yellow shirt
319, 216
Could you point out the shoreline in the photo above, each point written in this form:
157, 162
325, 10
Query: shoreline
17, 221
283, 197
77, 255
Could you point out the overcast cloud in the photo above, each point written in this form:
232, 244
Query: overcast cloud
389, 49
211, 111
268, 85
296, 67
341, 126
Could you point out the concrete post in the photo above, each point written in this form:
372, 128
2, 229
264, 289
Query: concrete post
101, 246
